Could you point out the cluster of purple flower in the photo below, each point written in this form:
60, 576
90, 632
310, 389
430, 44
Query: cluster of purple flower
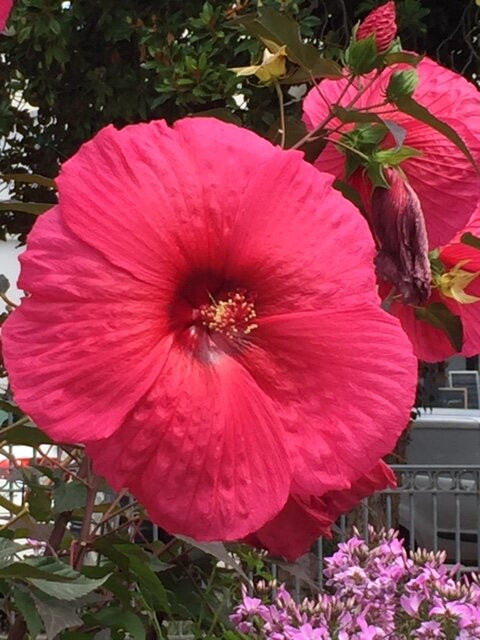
374, 590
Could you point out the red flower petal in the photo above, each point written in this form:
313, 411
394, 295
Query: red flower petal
352, 372
305, 518
77, 357
429, 343
5, 9
203, 451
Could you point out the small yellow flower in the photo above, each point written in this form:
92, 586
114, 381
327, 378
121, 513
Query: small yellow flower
273, 66
453, 283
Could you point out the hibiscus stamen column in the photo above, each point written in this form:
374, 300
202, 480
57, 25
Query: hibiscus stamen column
231, 316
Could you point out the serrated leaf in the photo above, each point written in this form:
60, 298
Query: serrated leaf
69, 496
35, 208
471, 240
394, 157
56, 615
217, 550
411, 107
76, 586
439, 316
25, 604
24, 178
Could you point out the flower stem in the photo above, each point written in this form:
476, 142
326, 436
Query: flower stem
281, 105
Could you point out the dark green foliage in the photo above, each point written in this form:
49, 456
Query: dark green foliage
87, 63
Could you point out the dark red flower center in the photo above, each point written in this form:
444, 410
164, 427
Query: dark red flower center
210, 313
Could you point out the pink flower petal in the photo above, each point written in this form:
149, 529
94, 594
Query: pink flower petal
429, 343
305, 518
203, 451
165, 175
73, 388
5, 9
353, 372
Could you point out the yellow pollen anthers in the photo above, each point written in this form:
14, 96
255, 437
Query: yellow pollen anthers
232, 317
453, 283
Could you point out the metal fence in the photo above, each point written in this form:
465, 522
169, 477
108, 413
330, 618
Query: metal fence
433, 506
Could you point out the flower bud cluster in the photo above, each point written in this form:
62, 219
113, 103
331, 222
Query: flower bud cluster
374, 590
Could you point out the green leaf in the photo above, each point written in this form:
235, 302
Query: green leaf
408, 105
396, 57
25, 178
56, 615
133, 560
10, 408
4, 284
275, 29
11, 507
361, 56
8, 548
24, 603
363, 117
352, 115
471, 240
117, 618
39, 503
76, 586
26, 571
349, 193
28, 436
439, 316
145, 575
69, 496
35, 208
394, 157
217, 550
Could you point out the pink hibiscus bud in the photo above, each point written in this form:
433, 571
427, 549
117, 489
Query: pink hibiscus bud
382, 22
5, 9
399, 226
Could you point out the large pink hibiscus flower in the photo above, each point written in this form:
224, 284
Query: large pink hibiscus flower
5, 9
445, 182
456, 285
203, 315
